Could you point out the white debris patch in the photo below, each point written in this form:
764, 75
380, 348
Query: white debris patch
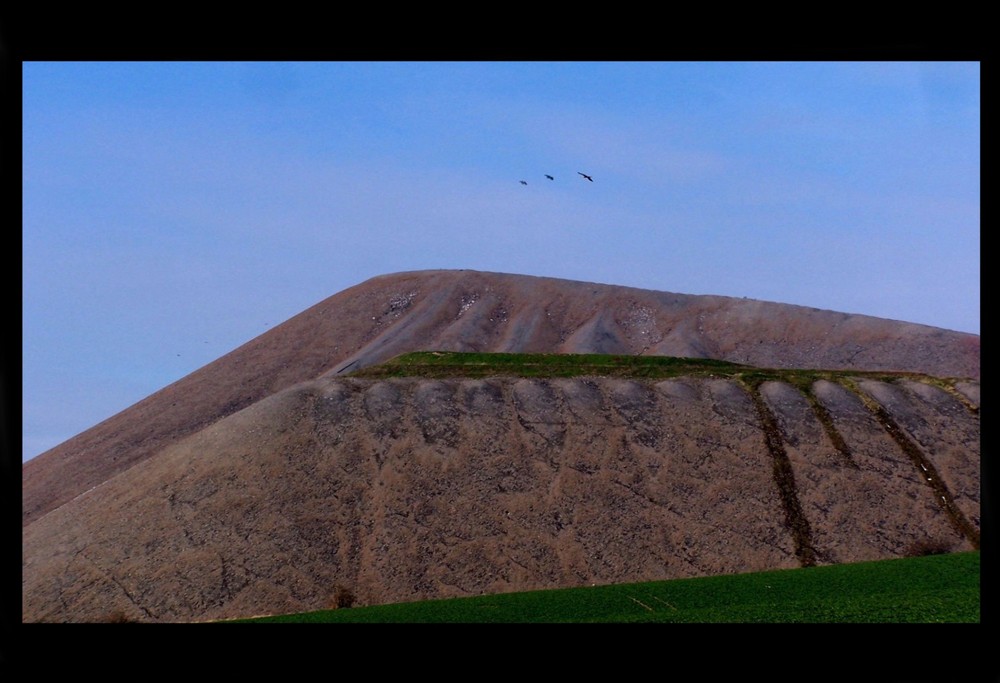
399, 303
467, 302
640, 322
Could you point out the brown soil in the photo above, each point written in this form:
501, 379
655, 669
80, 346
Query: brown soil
266, 479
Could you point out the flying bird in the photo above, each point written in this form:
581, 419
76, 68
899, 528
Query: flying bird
549, 177
524, 182
586, 176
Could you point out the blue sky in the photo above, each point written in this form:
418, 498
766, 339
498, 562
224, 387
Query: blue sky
173, 211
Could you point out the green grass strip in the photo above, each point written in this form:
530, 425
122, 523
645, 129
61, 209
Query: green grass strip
448, 364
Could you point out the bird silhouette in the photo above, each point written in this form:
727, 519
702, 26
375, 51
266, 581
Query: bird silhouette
586, 176
524, 182
549, 177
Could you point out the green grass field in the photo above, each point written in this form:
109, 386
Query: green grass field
930, 589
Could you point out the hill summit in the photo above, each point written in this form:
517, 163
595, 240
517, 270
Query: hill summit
263, 480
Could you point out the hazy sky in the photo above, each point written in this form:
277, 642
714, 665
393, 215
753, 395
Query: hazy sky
173, 211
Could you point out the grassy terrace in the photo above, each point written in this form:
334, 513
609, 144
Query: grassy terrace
442, 364
929, 589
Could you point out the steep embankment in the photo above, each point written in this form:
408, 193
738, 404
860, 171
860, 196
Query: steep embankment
407, 489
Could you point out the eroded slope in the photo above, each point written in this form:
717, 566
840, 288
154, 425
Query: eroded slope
408, 489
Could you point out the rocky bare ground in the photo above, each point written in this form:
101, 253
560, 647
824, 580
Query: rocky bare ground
264, 480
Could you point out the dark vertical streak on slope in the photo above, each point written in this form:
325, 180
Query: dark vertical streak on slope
927, 471
825, 419
784, 478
